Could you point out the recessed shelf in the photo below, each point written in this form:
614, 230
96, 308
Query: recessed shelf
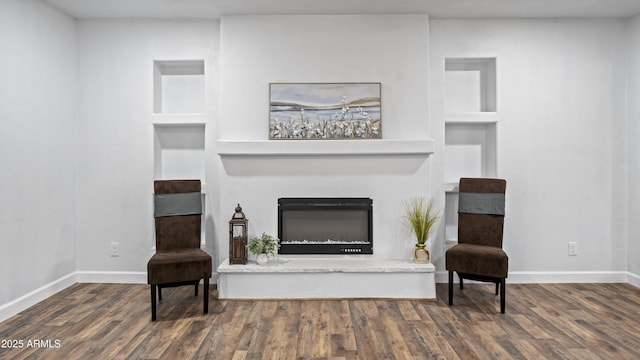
179, 151
469, 151
451, 217
179, 119
470, 85
451, 187
471, 118
178, 86
324, 147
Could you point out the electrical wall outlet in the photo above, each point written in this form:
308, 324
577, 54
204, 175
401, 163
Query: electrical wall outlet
573, 249
114, 249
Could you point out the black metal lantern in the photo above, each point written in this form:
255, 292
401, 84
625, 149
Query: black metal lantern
238, 237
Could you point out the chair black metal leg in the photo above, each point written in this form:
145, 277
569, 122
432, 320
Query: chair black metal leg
450, 287
461, 282
502, 295
160, 293
197, 284
205, 294
153, 302
497, 287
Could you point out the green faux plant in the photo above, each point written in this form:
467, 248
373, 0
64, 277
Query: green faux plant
421, 216
265, 244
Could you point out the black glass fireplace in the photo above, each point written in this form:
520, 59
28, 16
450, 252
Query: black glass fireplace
325, 226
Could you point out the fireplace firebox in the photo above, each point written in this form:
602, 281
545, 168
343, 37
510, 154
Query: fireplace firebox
325, 226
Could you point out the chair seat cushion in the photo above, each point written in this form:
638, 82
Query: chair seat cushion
478, 259
171, 266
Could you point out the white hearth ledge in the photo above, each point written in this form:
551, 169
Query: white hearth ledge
295, 278
324, 147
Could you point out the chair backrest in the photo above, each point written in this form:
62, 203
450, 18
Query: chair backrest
481, 211
178, 213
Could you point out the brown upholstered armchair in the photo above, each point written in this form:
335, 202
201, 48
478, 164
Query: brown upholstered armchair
178, 259
478, 254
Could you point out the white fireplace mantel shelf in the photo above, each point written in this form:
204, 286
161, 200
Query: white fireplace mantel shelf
324, 147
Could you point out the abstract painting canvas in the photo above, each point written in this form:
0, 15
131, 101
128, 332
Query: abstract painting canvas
325, 111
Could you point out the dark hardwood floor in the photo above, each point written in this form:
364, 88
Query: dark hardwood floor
542, 321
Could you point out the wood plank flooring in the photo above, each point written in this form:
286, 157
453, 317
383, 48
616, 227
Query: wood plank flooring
542, 321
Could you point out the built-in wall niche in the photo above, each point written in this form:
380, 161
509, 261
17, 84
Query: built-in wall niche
179, 151
451, 217
179, 86
470, 85
469, 151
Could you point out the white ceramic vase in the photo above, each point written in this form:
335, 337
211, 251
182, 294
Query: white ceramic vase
262, 259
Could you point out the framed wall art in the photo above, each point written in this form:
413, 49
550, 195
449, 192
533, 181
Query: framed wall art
324, 111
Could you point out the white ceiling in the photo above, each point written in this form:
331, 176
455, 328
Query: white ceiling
86, 9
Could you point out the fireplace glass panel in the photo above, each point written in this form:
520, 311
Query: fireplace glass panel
325, 225
321, 226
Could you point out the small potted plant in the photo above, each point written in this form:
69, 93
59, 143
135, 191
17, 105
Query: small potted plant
421, 216
263, 246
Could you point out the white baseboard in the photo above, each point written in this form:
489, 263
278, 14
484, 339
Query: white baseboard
112, 277
541, 277
26, 301
119, 277
633, 279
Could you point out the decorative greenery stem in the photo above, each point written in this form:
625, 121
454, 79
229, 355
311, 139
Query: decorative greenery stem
422, 217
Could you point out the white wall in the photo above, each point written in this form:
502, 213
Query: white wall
116, 136
258, 50
634, 148
561, 135
38, 128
